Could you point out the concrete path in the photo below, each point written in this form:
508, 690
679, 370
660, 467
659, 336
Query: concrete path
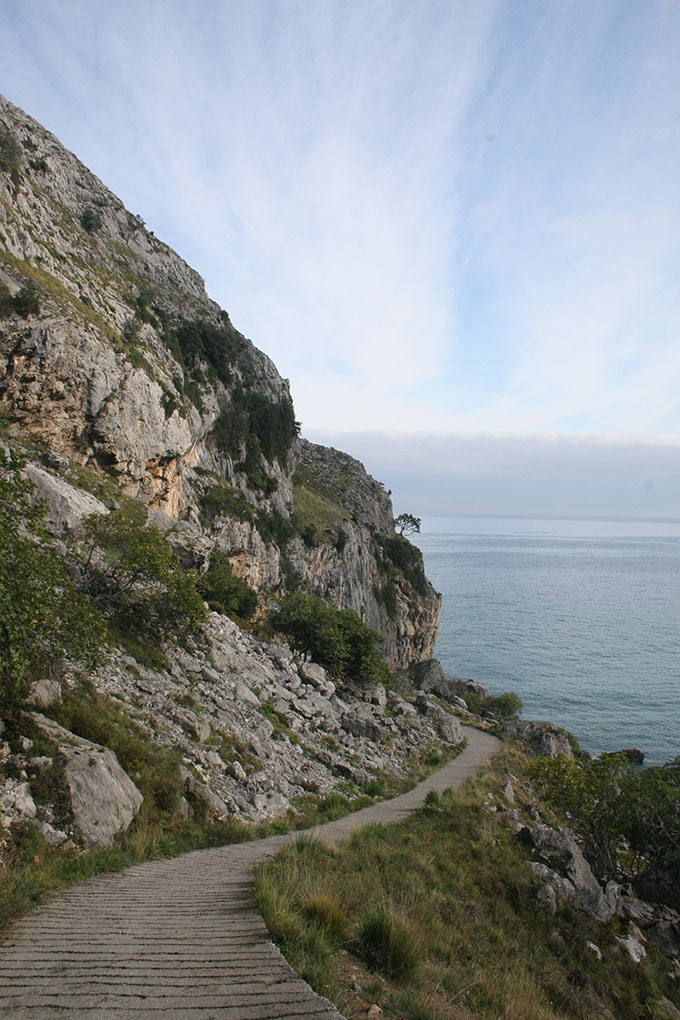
179, 939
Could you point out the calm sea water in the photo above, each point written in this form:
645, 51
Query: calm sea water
580, 618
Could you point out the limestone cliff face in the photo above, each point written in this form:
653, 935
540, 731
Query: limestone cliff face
125, 365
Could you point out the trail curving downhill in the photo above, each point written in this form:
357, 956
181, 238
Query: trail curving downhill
180, 939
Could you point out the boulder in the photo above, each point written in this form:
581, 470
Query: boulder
448, 727
103, 797
429, 677
196, 790
546, 740
16, 802
196, 726
65, 506
363, 722
666, 937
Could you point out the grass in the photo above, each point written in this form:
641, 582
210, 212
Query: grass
440, 920
316, 514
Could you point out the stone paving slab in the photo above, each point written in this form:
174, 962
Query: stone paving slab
180, 939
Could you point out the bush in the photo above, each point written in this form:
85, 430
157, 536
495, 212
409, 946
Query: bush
508, 705
43, 617
336, 638
629, 818
90, 220
24, 303
223, 591
408, 560
222, 499
139, 581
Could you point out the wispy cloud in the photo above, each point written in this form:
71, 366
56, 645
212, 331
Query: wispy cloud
442, 215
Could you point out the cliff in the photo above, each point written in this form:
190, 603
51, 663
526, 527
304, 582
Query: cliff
112, 354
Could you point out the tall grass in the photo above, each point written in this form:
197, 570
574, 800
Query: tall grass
440, 920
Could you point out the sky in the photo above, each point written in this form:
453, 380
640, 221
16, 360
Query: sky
454, 225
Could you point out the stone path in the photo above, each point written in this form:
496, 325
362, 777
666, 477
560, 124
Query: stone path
179, 939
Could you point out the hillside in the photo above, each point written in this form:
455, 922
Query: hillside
159, 449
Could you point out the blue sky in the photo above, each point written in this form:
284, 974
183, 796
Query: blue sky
448, 218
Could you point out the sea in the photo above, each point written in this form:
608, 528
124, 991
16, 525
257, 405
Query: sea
581, 618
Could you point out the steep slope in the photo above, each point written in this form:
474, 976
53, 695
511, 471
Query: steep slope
112, 354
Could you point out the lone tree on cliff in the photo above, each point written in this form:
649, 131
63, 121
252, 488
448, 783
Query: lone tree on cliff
407, 524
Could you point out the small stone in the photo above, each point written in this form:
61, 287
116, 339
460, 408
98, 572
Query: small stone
236, 770
374, 1010
635, 949
594, 950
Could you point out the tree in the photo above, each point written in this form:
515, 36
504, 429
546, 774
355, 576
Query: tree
132, 573
628, 818
44, 619
223, 591
407, 524
336, 638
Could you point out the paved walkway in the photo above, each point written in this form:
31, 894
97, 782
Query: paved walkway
179, 939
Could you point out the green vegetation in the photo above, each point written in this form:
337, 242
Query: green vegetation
628, 818
43, 617
90, 220
223, 591
11, 154
139, 582
400, 557
317, 518
336, 638
24, 303
437, 917
222, 500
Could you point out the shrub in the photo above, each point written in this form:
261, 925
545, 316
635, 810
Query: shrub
223, 591
24, 303
508, 705
90, 220
43, 617
336, 638
222, 499
408, 560
629, 818
139, 580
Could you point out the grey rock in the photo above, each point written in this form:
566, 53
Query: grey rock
52, 836
632, 947
65, 506
196, 726
666, 937
376, 695
270, 804
103, 797
16, 802
196, 790
668, 1008
545, 739
235, 769
362, 722
509, 793
594, 950
447, 726
44, 692
312, 674
247, 696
